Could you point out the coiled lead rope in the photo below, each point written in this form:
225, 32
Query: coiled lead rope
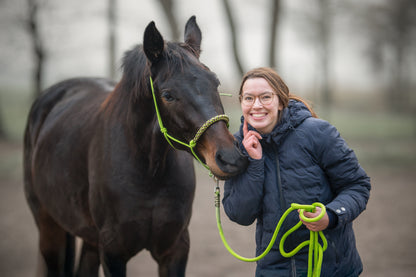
315, 256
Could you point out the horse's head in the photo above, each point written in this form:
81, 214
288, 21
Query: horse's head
186, 92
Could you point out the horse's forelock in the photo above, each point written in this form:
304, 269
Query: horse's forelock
178, 56
137, 69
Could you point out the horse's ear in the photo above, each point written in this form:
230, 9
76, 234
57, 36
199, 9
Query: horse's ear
193, 35
153, 43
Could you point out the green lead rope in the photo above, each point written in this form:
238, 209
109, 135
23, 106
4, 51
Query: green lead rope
315, 256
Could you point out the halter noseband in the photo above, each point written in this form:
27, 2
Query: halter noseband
198, 134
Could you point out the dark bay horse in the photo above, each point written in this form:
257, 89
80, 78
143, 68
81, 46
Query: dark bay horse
97, 167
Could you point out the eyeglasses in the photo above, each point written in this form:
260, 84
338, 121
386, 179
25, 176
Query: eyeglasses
265, 99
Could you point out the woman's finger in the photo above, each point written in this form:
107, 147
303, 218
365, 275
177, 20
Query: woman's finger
246, 132
250, 141
254, 133
245, 128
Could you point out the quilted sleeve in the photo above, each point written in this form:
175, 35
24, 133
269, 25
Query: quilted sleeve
243, 194
347, 178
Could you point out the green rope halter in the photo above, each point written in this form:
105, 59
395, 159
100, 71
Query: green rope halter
191, 145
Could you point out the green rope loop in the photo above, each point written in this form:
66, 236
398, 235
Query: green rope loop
192, 144
315, 256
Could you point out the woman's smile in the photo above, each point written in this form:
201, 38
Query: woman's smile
258, 115
263, 117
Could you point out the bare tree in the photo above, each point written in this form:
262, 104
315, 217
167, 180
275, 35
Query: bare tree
112, 26
168, 7
315, 26
324, 24
273, 31
274, 23
38, 50
234, 38
391, 32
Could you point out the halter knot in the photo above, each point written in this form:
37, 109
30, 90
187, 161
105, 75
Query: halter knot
192, 143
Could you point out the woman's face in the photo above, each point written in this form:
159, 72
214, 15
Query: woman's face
263, 117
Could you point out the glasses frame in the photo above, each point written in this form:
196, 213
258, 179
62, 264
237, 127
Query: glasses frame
256, 97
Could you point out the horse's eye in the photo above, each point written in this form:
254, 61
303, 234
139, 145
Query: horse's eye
168, 96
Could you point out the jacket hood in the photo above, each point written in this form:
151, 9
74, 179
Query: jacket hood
293, 115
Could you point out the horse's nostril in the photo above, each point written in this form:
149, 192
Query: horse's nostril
219, 159
231, 161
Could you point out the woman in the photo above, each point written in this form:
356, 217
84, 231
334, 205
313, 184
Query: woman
294, 158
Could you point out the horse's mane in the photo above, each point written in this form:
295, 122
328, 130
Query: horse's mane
135, 72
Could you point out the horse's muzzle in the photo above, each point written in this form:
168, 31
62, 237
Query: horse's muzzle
230, 161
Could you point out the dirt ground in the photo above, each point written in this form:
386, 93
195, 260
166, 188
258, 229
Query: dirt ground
385, 231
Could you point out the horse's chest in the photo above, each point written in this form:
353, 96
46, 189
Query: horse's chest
154, 203
145, 218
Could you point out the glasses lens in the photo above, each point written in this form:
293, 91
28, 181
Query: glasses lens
248, 99
265, 99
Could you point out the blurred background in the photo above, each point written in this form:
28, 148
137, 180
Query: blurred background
354, 60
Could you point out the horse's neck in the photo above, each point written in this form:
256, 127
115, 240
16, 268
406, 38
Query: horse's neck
140, 124
148, 138
158, 152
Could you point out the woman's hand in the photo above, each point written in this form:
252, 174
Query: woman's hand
251, 142
319, 225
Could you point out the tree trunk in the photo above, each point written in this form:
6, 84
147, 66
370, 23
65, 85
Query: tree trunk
274, 23
112, 25
167, 6
230, 19
325, 55
38, 49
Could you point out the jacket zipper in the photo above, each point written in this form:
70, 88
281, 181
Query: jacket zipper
282, 205
279, 183
293, 264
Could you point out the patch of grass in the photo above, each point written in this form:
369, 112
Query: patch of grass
374, 126
14, 108
11, 161
379, 138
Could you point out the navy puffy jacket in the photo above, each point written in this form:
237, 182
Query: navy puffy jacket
314, 164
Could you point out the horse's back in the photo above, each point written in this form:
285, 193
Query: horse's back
73, 96
57, 93
56, 139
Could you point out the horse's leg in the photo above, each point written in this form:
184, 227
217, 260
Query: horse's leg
173, 262
56, 246
89, 261
112, 256
113, 264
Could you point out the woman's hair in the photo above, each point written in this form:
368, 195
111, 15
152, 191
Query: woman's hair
277, 84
